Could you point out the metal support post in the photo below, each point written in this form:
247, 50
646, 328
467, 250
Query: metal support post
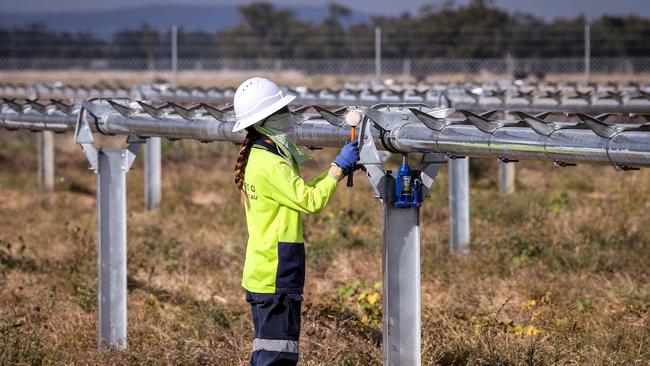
459, 204
587, 52
378, 54
111, 166
506, 177
46, 163
400, 257
152, 174
174, 55
111, 198
401, 272
506, 169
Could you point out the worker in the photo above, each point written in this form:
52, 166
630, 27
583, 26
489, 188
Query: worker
274, 197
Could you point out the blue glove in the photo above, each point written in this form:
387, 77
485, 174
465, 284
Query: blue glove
348, 157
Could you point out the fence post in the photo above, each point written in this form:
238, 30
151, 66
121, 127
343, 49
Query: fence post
152, 174
459, 204
406, 67
378, 54
587, 52
46, 164
174, 55
510, 66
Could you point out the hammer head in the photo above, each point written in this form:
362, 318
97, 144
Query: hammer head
353, 118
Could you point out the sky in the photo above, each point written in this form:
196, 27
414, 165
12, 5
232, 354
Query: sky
543, 8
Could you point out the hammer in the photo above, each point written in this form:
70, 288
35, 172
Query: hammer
352, 118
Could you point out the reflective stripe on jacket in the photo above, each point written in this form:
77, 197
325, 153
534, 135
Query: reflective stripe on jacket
275, 253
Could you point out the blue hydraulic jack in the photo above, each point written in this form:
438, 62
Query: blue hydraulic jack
407, 186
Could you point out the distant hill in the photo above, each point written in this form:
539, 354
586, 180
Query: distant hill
190, 17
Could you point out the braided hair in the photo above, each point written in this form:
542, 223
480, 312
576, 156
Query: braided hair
240, 167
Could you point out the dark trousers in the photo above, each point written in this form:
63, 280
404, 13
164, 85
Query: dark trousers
277, 328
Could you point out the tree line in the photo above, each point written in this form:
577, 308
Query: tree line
476, 30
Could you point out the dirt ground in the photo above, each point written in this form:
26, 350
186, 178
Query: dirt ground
557, 273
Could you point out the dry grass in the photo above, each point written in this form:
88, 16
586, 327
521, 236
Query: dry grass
558, 272
223, 79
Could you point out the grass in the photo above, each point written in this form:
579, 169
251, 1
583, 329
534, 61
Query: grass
557, 273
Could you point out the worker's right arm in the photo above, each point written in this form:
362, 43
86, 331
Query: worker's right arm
290, 190
315, 181
344, 162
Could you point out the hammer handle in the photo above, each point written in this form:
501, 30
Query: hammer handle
351, 173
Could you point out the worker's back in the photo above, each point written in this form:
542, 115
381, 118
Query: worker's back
275, 254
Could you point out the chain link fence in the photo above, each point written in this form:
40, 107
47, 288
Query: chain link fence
415, 68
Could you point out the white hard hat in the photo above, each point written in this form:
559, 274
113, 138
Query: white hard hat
256, 99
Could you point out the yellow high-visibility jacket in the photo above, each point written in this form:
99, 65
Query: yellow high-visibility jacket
275, 253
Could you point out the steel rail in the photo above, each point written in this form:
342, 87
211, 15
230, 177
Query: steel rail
591, 99
396, 128
496, 87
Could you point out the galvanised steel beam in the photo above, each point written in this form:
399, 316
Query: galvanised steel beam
563, 140
56, 116
587, 98
496, 88
111, 166
506, 177
60, 117
152, 174
46, 164
459, 225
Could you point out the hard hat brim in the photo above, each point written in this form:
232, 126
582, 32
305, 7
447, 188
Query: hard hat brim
260, 115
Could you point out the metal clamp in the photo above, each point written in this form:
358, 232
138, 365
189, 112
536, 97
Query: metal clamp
385, 120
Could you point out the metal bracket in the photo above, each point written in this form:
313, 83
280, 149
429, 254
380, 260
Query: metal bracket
83, 136
370, 157
431, 164
371, 160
